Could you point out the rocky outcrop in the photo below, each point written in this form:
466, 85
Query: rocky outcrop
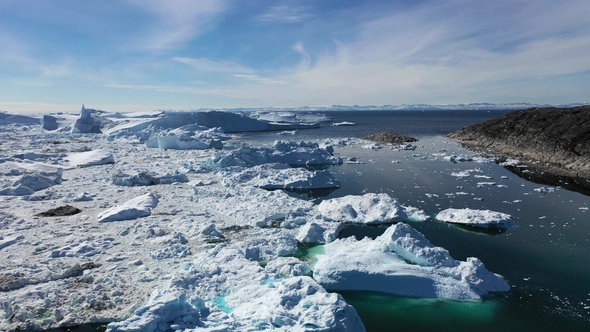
390, 138
555, 140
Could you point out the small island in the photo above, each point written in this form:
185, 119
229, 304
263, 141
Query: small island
390, 138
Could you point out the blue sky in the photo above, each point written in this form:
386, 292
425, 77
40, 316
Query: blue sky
129, 55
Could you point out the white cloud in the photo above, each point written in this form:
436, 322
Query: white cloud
177, 21
286, 14
208, 65
261, 80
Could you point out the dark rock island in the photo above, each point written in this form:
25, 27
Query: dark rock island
553, 142
390, 138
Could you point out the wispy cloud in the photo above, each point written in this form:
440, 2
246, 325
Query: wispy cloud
176, 21
261, 80
286, 14
208, 65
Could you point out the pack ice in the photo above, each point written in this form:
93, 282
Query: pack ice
177, 235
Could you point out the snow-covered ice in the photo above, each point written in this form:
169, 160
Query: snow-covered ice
476, 218
291, 153
279, 176
90, 158
205, 246
135, 208
369, 209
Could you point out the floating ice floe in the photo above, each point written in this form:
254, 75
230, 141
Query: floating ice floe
544, 190
147, 178
510, 162
403, 262
132, 209
476, 218
373, 146
370, 209
291, 153
90, 158
477, 159
189, 137
466, 173
279, 176
344, 123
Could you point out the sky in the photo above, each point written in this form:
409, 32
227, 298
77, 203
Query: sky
139, 55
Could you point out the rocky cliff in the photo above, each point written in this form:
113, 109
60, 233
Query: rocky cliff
554, 140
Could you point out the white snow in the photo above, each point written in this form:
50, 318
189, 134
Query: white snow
476, 218
135, 208
403, 262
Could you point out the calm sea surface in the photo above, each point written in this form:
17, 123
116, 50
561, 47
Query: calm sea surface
544, 259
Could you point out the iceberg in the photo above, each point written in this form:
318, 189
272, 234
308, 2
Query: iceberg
476, 218
132, 209
403, 262
369, 209
90, 121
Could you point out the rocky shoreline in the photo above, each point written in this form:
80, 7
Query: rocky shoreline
553, 142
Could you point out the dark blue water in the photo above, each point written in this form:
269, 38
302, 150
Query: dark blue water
544, 259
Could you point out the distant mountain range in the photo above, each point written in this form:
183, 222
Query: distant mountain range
412, 107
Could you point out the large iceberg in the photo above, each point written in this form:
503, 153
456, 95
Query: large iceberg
403, 262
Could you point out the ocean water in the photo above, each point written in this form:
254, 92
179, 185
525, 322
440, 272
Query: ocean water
544, 258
